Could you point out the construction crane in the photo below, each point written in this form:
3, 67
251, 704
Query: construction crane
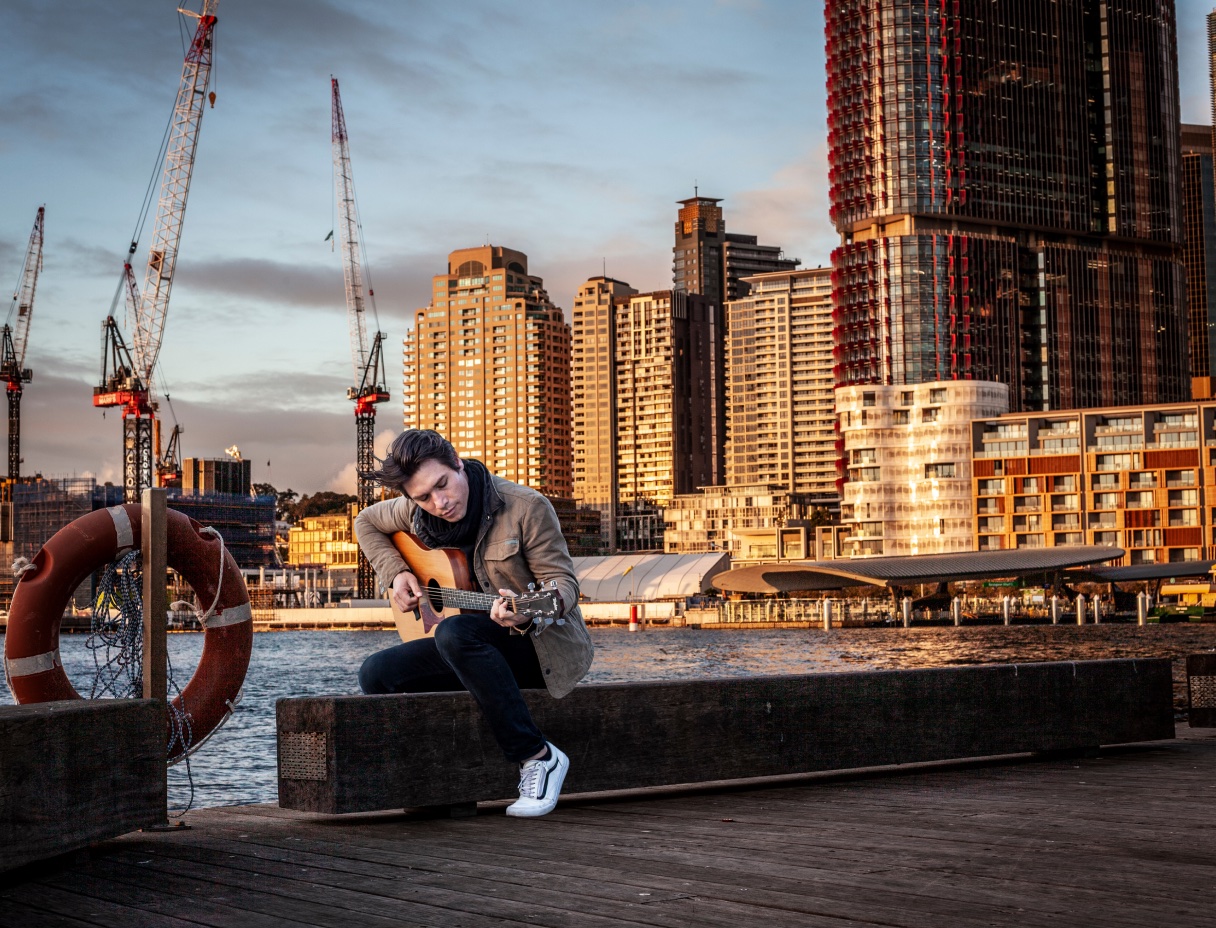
368, 360
169, 465
15, 337
126, 375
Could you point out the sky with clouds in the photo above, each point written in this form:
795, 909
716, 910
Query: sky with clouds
563, 129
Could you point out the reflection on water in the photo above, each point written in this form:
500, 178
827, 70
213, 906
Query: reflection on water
238, 764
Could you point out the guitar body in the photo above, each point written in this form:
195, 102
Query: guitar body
448, 588
434, 568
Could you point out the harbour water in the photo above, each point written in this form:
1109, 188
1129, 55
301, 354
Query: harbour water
238, 764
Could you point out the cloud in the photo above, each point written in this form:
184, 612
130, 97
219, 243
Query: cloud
345, 480
791, 210
401, 284
63, 435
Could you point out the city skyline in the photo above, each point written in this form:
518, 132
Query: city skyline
255, 347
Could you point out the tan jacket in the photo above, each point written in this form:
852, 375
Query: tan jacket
522, 544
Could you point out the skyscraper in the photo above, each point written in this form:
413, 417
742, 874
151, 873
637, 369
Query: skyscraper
593, 395
708, 260
669, 411
780, 406
1005, 180
1199, 255
487, 364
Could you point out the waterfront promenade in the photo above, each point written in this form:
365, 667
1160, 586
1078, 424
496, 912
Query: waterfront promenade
1119, 839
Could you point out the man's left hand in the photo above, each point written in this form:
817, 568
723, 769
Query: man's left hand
501, 612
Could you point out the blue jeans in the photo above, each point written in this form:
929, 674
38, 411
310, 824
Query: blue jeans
468, 652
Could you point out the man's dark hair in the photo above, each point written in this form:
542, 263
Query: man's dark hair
409, 451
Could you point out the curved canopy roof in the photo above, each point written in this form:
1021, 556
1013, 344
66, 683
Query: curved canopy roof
621, 577
1165, 571
905, 571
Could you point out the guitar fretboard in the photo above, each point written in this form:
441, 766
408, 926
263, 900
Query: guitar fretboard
462, 599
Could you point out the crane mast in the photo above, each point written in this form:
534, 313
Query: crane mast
147, 309
15, 338
368, 362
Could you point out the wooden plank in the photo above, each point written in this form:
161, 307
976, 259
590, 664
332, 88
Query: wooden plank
1036, 844
355, 754
52, 906
595, 872
77, 771
449, 898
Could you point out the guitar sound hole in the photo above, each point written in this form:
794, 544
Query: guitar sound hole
433, 594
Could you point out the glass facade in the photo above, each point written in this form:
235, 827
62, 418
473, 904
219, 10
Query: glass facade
1005, 179
1199, 252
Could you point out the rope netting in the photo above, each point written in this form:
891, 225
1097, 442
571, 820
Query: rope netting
116, 639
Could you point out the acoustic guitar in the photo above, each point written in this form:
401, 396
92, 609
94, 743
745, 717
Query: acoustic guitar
448, 588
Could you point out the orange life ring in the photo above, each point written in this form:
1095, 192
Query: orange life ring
31, 643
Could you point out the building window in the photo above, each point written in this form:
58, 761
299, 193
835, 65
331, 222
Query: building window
868, 399
937, 395
929, 415
939, 471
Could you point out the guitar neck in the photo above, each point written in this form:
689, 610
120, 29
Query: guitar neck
463, 599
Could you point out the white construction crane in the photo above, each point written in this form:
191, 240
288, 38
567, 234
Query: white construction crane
15, 338
126, 377
368, 361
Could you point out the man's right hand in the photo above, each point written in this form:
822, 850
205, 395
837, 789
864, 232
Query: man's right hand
406, 591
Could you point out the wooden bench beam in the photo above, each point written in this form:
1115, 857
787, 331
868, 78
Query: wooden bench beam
362, 753
78, 771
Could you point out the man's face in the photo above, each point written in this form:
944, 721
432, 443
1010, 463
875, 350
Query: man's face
439, 490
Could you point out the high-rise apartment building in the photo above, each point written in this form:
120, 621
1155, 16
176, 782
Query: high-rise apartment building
670, 413
487, 364
781, 414
1199, 255
1005, 180
593, 396
708, 260
697, 256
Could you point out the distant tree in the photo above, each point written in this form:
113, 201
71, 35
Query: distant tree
819, 516
323, 503
284, 507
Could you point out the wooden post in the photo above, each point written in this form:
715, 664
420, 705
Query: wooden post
154, 535
154, 544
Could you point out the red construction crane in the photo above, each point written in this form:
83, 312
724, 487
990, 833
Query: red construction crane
368, 363
126, 376
15, 338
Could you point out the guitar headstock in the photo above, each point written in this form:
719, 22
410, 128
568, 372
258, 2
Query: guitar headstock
543, 606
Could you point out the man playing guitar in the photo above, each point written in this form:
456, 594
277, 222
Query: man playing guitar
510, 538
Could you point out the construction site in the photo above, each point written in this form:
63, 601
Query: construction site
215, 492
33, 510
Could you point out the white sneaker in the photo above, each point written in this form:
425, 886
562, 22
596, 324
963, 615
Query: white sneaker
540, 782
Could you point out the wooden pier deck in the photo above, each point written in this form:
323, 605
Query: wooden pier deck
1124, 838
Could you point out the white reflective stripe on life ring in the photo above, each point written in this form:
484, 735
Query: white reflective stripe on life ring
234, 615
27, 666
122, 527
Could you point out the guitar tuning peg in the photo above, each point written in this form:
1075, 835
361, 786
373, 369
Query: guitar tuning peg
531, 587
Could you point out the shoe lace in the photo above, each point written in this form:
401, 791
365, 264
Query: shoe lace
529, 779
